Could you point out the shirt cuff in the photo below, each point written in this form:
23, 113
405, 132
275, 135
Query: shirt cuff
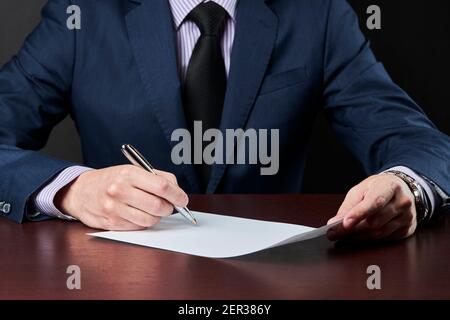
43, 202
424, 184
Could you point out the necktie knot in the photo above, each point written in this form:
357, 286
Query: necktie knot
209, 18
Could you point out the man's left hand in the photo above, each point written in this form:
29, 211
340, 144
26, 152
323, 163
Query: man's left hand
379, 208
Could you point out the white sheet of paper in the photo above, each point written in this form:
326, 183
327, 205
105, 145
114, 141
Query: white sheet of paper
216, 236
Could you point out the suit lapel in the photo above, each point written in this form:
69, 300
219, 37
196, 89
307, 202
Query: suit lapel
256, 31
152, 38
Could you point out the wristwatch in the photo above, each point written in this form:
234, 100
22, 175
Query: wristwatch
420, 198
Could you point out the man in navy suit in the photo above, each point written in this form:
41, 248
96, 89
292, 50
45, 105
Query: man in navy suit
135, 71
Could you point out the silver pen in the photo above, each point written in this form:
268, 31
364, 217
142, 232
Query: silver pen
136, 158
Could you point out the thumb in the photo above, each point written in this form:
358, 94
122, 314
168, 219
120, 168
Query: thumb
353, 197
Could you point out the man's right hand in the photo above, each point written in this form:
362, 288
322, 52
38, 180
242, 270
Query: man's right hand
121, 198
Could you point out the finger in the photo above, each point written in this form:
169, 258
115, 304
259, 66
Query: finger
364, 232
384, 216
388, 229
160, 187
374, 200
169, 176
95, 221
145, 202
353, 197
120, 224
135, 216
403, 233
340, 233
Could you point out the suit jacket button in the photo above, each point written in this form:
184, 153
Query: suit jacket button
6, 208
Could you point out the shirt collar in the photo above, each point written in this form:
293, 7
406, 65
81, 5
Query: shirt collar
181, 8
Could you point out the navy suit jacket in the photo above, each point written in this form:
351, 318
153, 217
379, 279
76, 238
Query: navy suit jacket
117, 78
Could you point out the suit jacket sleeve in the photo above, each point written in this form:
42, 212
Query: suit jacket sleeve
372, 116
34, 93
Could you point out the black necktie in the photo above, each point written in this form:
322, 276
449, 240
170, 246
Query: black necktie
206, 79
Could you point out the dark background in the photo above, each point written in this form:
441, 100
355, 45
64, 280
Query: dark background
413, 44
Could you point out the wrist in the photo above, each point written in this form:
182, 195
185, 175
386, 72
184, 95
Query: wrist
422, 204
65, 198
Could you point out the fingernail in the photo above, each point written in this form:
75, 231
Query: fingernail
349, 222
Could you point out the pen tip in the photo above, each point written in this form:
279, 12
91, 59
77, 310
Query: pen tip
194, 221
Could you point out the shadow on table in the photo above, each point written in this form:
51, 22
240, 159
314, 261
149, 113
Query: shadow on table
313, 251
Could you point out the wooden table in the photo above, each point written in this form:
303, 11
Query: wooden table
34, 258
